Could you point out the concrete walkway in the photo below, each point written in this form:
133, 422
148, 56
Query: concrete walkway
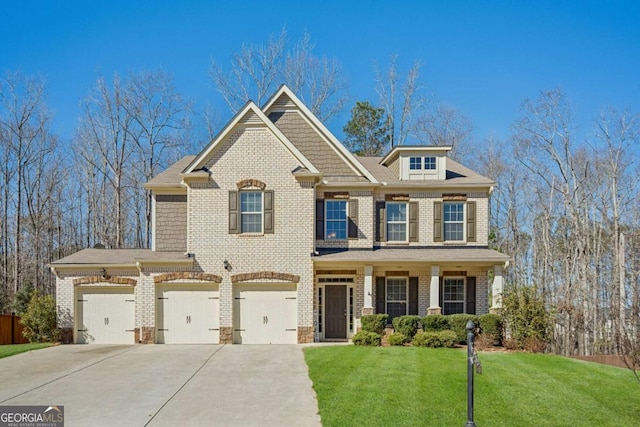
165, 385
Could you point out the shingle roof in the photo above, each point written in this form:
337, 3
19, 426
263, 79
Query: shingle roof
170, 177
118, 256
443, 254
456, 175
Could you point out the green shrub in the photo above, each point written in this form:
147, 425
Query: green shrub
39, 319
491, 325
526, 316
407, 325
374, 323
435, 339
435, 322
458, 324
448, 338
366, 338
398, 338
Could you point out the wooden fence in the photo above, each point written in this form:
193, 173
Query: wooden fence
11, 330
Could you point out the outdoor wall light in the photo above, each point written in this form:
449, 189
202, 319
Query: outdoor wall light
226, 265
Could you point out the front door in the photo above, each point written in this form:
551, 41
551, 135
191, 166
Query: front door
336, 312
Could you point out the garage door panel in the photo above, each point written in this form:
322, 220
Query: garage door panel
105, 316
265, 314
188, 314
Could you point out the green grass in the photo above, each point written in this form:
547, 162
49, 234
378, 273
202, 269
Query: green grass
13, 349
410, 386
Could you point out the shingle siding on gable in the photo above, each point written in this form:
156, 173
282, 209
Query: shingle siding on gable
171, 223
310, 144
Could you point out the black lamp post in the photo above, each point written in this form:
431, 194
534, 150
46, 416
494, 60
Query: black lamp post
470, 365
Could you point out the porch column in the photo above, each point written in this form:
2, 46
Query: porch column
368, 290
434, 291
496, 289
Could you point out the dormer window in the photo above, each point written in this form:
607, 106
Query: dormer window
415, 163
430, 163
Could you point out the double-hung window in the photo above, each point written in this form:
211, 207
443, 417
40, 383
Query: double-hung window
454, 221
396, 297
397, 222
335, 219
453, 295
251, 212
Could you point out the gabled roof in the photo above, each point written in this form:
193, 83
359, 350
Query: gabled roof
284, 99
170, 177
249, 115
395, 151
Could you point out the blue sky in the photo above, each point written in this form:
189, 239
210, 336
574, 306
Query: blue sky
482, 57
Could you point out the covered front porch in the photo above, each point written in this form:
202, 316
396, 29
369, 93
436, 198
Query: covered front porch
397, 282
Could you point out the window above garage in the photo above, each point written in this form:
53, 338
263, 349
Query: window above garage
418, 162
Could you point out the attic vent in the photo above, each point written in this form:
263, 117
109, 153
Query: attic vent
251, 118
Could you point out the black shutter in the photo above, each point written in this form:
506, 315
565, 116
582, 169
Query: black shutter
441, 295
268, 212
380, 295
471, 221
353, 218
320, 219
437, 222
381, 224
413, 221
234, 225
471, 295
413, 295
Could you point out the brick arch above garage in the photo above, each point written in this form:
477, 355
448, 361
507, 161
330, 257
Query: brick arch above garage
92, 280
188, 275
265, 275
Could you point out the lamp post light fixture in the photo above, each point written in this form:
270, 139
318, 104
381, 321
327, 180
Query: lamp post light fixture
470, 365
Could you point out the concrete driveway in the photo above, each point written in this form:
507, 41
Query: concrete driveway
165, 385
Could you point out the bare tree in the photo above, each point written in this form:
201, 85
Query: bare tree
258, 69
401, 99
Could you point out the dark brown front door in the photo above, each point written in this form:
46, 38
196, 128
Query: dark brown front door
336, 311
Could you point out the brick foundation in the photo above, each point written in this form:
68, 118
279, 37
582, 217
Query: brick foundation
66, 335
148, 335
305, 334
226, 335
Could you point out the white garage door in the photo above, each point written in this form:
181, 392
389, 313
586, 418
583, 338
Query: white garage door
188, 314
265, 314
105, 315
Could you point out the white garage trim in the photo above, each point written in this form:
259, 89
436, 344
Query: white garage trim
265, 313
104, 315
187, 313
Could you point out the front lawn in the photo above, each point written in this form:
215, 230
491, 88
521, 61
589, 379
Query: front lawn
12, 349
410, 386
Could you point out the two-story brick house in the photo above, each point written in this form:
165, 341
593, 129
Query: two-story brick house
275, 233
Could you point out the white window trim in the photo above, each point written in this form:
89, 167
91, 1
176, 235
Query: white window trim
435, 164
252, 212
327, 220
464, 223
464, 292
406, 292
406, 222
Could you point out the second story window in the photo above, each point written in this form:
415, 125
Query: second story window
251, 212
397, 222
336, 220
415, 163
454, 221
430, 163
